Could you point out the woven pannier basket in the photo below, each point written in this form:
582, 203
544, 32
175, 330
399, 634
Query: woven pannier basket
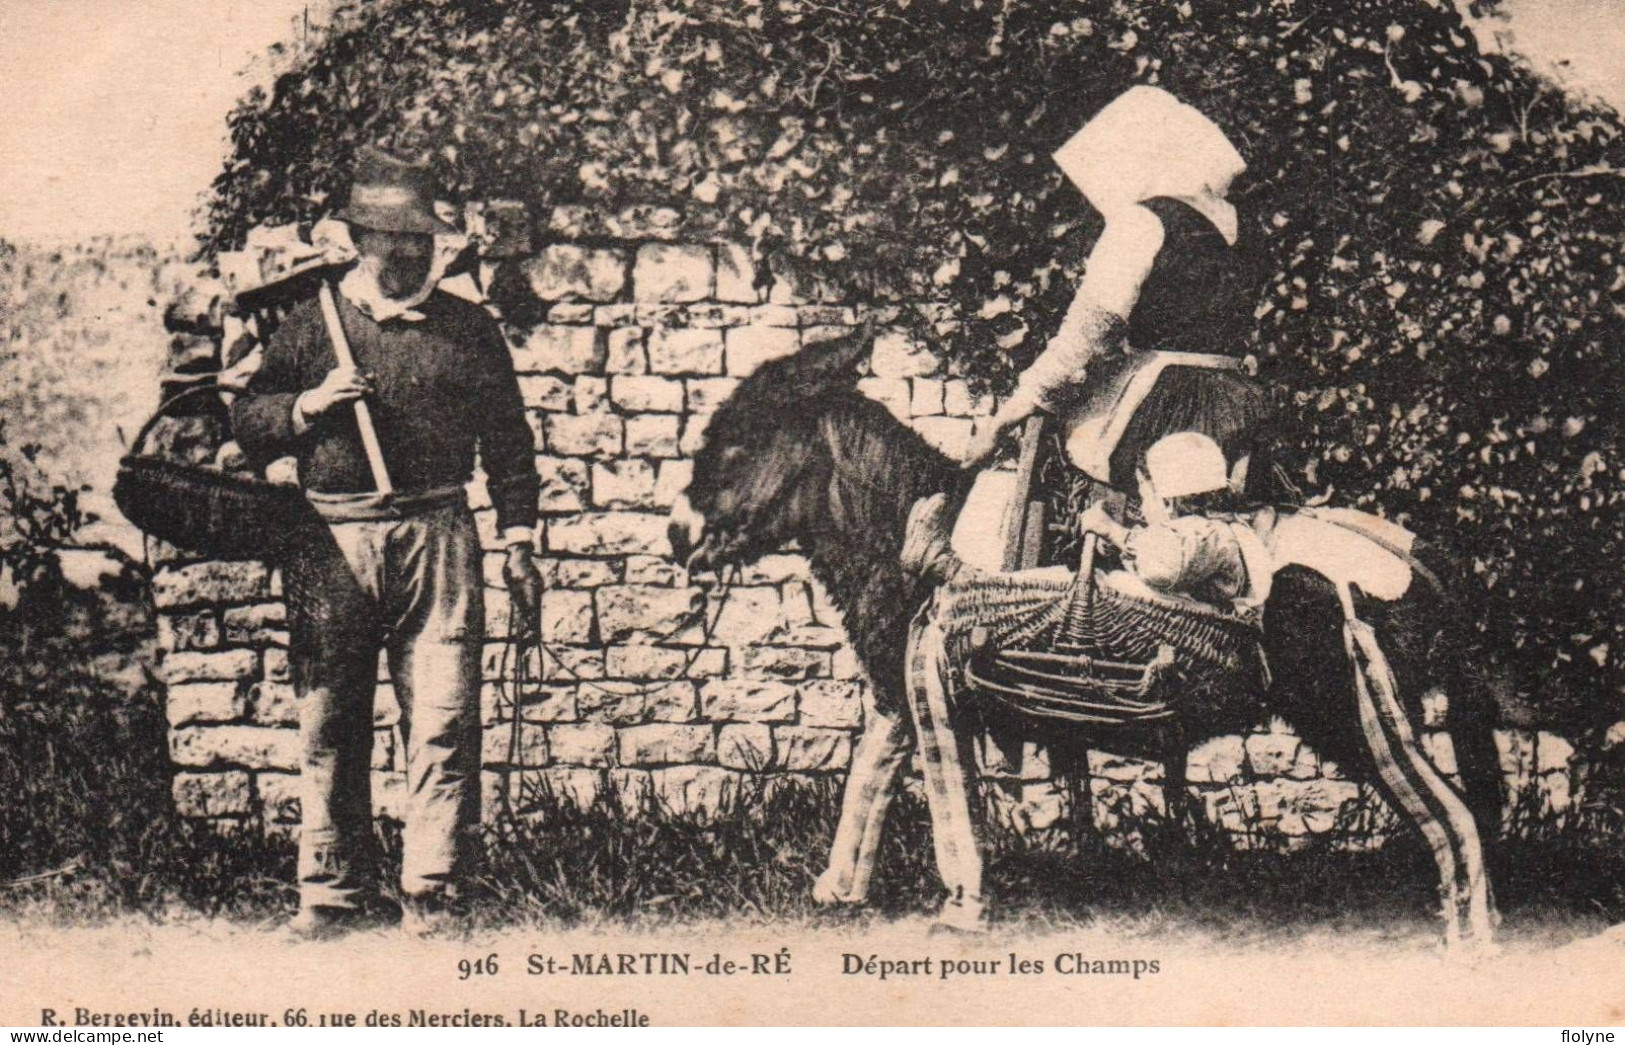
226, 515
1086, 652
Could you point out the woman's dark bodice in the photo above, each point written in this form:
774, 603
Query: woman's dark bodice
1201, 292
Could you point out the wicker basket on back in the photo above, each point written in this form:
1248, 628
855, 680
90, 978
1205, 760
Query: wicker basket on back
228, 515
1089, 648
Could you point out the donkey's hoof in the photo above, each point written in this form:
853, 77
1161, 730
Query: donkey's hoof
827, 891
961, 916
1472, 950
1470, 941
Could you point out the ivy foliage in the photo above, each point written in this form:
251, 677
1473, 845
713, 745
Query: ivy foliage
1442, 228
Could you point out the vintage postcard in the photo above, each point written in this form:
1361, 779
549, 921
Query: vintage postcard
799, 512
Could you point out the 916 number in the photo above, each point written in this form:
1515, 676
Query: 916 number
467, 968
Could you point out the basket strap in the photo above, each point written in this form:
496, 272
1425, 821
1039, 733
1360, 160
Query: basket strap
206, 384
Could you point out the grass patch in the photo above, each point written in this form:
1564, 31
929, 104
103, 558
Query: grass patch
572, 866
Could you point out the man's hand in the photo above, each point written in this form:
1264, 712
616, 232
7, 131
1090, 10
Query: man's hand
524, 588
343, 384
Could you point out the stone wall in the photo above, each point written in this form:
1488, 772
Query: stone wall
644, 337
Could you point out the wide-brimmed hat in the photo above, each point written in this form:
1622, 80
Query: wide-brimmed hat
390, 194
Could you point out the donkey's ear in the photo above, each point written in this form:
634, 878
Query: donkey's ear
833, 360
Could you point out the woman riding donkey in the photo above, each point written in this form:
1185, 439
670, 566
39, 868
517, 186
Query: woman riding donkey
1174, 440
1152, 340
1127, 371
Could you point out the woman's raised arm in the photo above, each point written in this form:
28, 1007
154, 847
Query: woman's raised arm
1113, 275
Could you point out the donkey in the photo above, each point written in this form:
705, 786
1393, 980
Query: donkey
797, 454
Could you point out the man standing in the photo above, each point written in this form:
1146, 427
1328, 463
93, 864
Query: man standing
395, 570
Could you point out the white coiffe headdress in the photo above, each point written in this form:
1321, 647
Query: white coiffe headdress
1148, 143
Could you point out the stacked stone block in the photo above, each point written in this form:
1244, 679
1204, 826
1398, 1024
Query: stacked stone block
653, 689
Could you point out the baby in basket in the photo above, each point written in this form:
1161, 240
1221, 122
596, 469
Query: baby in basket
1192, 545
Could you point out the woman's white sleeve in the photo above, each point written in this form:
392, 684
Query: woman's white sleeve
1116, 270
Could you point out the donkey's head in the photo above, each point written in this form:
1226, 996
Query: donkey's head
762, 477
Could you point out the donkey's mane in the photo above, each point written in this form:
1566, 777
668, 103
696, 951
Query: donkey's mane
882, 465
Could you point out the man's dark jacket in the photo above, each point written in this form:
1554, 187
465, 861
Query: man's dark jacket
442, 386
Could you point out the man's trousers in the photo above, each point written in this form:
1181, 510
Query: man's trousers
411, 587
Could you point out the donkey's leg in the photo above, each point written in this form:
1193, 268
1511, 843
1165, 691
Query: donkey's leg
871, 784
1070, 761
1470, 894
944, 757
1423, 795
1470, 720
1175, 795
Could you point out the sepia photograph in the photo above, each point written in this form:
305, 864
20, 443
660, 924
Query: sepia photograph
638, 513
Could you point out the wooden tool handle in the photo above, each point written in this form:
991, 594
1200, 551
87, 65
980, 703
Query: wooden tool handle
363, 415
1019, 552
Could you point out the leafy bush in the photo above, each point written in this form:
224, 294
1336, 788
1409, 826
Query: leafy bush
1441, 227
